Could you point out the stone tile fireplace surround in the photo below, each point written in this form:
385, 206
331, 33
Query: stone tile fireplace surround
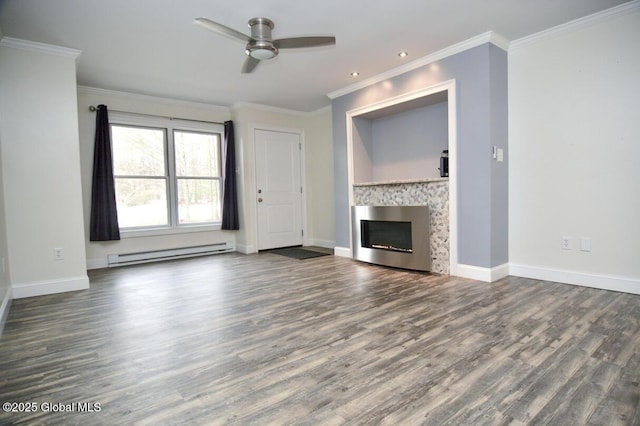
432, 192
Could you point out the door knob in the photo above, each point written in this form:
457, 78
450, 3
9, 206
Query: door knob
259, 200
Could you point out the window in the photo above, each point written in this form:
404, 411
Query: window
141, 178
168, 174
197, 158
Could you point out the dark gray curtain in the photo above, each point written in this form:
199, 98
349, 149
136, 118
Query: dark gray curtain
104, 216
230, 195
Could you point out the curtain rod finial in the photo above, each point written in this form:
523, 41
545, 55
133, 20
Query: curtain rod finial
92, 108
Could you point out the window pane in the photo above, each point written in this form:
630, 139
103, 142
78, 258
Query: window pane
138, 151
141, 202
198, 200
197, 154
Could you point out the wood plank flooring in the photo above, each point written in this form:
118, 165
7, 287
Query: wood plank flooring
264, 339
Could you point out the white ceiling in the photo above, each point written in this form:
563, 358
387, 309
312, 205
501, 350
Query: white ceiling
151, 47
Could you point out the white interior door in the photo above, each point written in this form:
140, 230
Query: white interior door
278, 189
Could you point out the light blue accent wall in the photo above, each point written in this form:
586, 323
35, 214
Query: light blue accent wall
481, 84
499, 170
408, 145
362, 150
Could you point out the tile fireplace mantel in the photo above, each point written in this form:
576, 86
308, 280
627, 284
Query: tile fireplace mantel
402, 181
433, 192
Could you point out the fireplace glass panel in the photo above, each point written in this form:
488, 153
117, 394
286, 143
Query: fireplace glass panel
396, 236
386, 235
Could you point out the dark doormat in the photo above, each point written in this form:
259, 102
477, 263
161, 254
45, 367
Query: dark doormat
297, 253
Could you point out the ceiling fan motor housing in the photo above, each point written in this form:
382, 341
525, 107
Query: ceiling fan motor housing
261, 45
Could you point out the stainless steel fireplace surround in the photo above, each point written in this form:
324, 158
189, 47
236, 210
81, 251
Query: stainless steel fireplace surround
395, 236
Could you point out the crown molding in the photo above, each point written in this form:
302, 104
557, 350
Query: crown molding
95, 91
152, 99
493, 38
499, 41
33, 46
270, 108
488, 37
321, 111
576, 24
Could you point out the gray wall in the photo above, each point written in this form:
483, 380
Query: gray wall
408, 145
499, 171
362, 150
481, 88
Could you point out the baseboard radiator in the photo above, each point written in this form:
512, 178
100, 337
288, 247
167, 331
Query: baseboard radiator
168, 254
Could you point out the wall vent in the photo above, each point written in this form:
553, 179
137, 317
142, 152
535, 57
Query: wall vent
168, 254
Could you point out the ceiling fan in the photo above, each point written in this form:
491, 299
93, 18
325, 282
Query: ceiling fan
260, 45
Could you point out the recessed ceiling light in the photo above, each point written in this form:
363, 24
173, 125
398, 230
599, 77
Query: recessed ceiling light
354, 74
403, 54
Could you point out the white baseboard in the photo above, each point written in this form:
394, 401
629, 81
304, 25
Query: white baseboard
320, 243
499, 272
97, 263
245, 249
604, 282
483, 274
41, 288
4, 309
342, 252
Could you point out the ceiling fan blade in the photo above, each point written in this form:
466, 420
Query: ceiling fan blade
297, 42
221, 29
249, 64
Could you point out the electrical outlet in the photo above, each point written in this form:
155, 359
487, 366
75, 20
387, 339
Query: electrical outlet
565, 243
58, 253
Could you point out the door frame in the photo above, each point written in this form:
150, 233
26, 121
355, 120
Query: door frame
253, 191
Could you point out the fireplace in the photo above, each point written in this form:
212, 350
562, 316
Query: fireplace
395, 236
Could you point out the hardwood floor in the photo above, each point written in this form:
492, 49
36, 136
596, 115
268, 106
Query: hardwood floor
264, 339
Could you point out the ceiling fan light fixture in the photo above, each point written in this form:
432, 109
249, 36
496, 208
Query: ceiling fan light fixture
262, 52
261, 49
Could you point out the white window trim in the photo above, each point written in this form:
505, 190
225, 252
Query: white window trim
170, 124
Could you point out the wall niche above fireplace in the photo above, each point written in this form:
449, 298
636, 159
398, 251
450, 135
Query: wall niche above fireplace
401, 141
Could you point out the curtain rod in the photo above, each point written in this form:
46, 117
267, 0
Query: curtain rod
94, 109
